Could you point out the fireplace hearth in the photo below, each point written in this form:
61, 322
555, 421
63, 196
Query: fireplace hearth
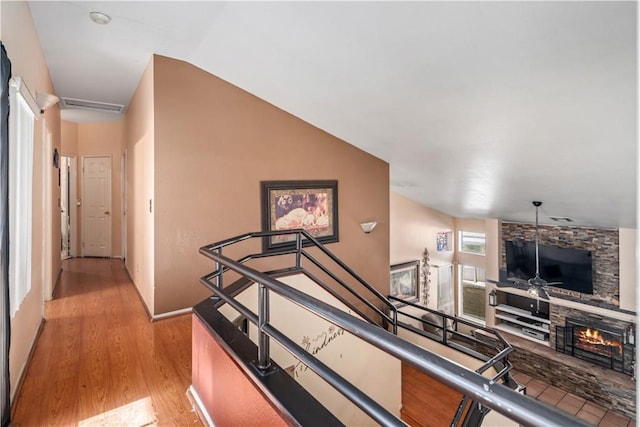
596, 343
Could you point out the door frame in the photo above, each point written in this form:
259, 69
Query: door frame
110, 157
73, 205
65, 215
123, 223
47, 214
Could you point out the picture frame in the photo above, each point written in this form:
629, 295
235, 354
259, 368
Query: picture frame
443, 241
310, 205
404, 280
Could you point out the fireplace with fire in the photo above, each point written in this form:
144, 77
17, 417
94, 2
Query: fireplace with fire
599, 344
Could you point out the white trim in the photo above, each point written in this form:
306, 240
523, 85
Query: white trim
123, 213
21, 157
171, 313
23, 90
47, 215
200, 406
73, 205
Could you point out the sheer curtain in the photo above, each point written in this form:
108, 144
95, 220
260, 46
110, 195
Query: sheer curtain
5, 333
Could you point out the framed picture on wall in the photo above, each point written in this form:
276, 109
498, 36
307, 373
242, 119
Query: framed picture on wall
444, 239
404, 280
289, 205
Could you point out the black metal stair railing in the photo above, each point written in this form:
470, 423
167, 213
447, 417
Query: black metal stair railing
304, 239
449, 326
485, 391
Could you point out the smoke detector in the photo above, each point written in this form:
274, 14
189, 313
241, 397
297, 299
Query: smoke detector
100, 18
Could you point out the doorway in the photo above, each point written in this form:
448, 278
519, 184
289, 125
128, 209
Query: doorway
96, 206
65, 208
124, 205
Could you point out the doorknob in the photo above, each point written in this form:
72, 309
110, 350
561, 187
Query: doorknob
106, 212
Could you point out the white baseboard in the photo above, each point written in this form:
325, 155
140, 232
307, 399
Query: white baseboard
171, 314
193, 396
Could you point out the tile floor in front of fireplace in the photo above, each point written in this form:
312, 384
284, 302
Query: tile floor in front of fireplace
590, 412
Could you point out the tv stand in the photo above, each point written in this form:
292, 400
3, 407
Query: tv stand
518, 315
522, 323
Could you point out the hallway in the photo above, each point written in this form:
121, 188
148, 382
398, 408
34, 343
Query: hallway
100, 361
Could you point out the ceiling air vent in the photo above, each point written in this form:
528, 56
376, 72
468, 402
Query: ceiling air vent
91, 105
561, 219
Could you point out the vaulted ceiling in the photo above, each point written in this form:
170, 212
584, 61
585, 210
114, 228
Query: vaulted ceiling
479, 107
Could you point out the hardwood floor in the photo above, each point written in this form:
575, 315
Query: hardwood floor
100, 361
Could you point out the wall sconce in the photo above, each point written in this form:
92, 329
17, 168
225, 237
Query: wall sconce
368, 227
493, 298
45, 100
630, 335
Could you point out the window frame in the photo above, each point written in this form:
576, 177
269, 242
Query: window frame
23, 113
460, 282
472, 234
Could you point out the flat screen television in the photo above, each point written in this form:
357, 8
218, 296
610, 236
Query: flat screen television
573, 267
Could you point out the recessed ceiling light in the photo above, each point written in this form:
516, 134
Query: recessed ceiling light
100, 18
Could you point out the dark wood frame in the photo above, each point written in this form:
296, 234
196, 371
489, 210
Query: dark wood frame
272, 190
398, 270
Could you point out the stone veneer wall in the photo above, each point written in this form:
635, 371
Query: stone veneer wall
596, 384
612, 390
603, 243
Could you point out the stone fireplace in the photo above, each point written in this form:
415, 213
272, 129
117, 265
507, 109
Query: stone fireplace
598, 339
596, 343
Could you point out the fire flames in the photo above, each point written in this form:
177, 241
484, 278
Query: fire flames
593, 338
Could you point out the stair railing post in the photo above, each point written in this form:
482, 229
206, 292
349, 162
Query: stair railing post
395, 320
445, 330
264, 359
298, 249
218, 251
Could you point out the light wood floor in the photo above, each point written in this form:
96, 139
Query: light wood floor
100, 361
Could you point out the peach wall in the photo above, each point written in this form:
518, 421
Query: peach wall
104, 139
214, 143
414, 227
139, 146
68, 138
23, 47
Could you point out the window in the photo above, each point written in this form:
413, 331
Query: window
21, 121
471, 296
472, 243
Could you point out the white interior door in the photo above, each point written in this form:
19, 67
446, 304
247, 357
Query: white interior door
96, 217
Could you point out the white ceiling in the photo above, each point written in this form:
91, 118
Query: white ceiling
479, 107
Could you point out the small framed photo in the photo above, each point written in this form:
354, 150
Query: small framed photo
444, 241
404, 280
310, 205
